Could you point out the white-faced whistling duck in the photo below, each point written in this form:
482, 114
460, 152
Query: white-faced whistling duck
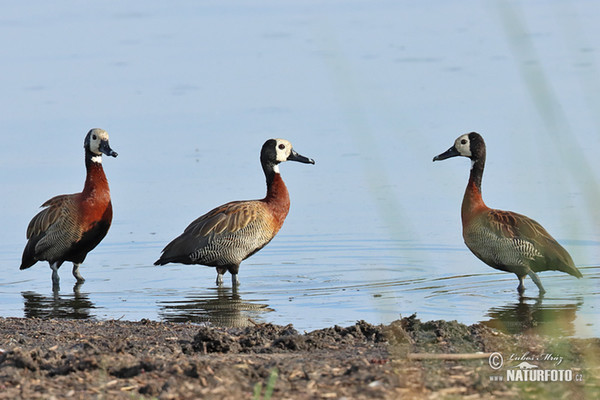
230, 233
504, 240
71, 225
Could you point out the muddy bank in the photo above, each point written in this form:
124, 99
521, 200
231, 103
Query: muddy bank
44, 359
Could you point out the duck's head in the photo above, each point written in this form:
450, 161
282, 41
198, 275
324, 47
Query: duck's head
276, 151
96, 142
470, 145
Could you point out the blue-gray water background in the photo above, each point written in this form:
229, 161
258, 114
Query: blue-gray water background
190, 90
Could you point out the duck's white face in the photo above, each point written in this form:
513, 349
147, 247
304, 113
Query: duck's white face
283, 152
96, 142
463, 145
96, 138
283, 149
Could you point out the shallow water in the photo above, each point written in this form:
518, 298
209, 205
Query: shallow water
371, 91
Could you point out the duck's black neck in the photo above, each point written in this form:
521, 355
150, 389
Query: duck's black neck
270, 170
92, 160
478, 164
95, 177
276, 190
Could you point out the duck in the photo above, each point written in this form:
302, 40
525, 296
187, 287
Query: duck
504, 240
72, 225
230, 233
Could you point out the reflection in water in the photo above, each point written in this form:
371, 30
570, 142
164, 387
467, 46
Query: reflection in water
226, 309
75, 306
550, 319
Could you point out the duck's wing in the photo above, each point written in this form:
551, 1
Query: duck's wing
216, 224
53, 231
228, 218
531, 241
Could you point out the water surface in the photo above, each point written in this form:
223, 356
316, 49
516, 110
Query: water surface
371, 91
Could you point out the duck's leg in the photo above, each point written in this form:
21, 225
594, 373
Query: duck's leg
55, 278
220, 272
233, 270
537, 281
521, 287
76, 273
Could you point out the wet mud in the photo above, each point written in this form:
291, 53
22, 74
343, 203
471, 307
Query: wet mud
75, 359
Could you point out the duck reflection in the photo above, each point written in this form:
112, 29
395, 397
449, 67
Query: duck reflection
225, 308
530, 315
71, 306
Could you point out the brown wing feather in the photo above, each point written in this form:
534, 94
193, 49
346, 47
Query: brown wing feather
202, 232
52, 231
550, 254
513, 225
42, 221
230, 217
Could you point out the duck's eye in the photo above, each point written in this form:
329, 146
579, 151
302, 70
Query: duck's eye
282, 146
464, 141
94, 137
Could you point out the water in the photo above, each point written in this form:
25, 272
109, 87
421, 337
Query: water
371, 91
